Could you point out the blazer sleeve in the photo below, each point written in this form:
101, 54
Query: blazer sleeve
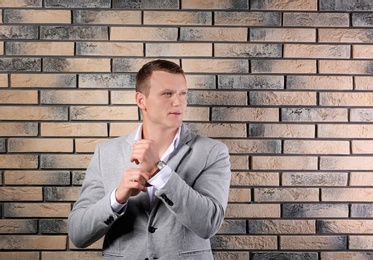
201, 207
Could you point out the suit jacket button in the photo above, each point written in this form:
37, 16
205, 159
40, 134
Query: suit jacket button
151, 229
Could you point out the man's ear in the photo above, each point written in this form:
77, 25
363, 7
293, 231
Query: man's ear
140, 100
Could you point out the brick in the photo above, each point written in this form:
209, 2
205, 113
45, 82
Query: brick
344, 226
24, 32
316, 147
2, 146
283, 66
14, 226
74, 129
345, 131
269, 227
282, 130
107, 81
143, 33
104, 113
361, 178
15, 161
244, 114
255, 179
18, 129
316, 51
78, 177
20, 64
201, 81
18, 97
239, 162
345, 35
106, 17
362, 19
178, 49
4, 80
343, 163
239, 195
285, 255
132, 65
37, 210
363, 83
21, 3
346, 99
221, 4
37, 16
250, 82
362, 51
64, 161
109, 49
247, 18
314, 179
213, 34
247, 50
304, 210
215, 66
314, 114
37, 178
53, 226
30, 113
19, 255
218, 130
335, 5
2, 49
76, 65
62, 193
282, 98
253, 146
360, 242
319, 82
217, 98
283, 5
68, 255
362, 147
120, 129
361, 210
316, 19
233, 227
123, 97
43, 81
282, 35
196, 114
146, 4
74, 97
21, 193
87, 145
224, 255
73, 33
40, 48
32, 242
41, 145
361, 115
313, 242
347, 194
286, 194
244, 242
284, 163
78, 4
346, 255
253, 211
177, 18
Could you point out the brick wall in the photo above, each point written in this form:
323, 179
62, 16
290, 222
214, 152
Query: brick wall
285, 84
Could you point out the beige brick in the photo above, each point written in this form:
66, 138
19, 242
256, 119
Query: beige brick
14, 226
37, 16
239, 162
177, 18
123, 97
239, 195
213, 34
33, 242
76, 65
74, 129
3, 78
313, 242
221, 255
18, 97
104, 113
201, 81
282, 98
21, 193
361, 115
197, 114
178, 49
120, 129
345, 35
364, 83
253, 146
65, 161
361, 178
109, 49
133, 65
68, 255
346, 163
217, 97
218, 129
316, 147
43, 81
285, 5
284, 163
143, 34
87, 145
283, 66
37, 177
362, 146
14, 161
247, 18
285, 194
30, 145
314, 178
282, 130
344, 226
316, 51
74, 97
347, 194
320, 82
40, 48
282, 226
282, 35
345, 131
362, 51
244, 242
2, 46
215, 66
216, 4
346, 99
18, 129
106, 81
247, 50
21, 3
37, 210
107, 17
19, 255
316, 19
360, 243
345, 255
245, 114
255, 178
315, 114
30, 113
253, 211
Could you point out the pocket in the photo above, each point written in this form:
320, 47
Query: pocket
196, 253
106, 256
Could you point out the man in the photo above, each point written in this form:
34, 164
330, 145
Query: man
160, 192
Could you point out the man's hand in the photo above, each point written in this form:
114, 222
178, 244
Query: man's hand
145, 153
133, 181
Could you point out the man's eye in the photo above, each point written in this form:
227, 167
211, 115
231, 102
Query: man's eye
168, 93
183, 93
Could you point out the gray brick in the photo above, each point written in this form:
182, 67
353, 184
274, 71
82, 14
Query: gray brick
247, 18
74, 33
217, 98
53, 226
78, 177
314, 178
298, 210
250, 82
317, 19
362, 210
27, 226
233, 227
248, 50
362, 19
18, 32
346, 5
284, 256
61, 193
125, 81
221, 255
314, 114
78, 4
146, 4
20, 64
2, 146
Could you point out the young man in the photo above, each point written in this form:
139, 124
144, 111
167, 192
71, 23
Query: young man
160, 192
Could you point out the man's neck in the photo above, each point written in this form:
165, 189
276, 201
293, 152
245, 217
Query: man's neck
162, 137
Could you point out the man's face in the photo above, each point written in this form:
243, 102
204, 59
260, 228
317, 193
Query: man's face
165, 105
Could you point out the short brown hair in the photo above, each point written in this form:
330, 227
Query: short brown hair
142, 77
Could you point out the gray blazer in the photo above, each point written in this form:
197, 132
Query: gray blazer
188, 210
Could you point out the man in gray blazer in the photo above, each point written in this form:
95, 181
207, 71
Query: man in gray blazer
160, 192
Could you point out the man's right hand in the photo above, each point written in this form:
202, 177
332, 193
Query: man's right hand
133, 181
